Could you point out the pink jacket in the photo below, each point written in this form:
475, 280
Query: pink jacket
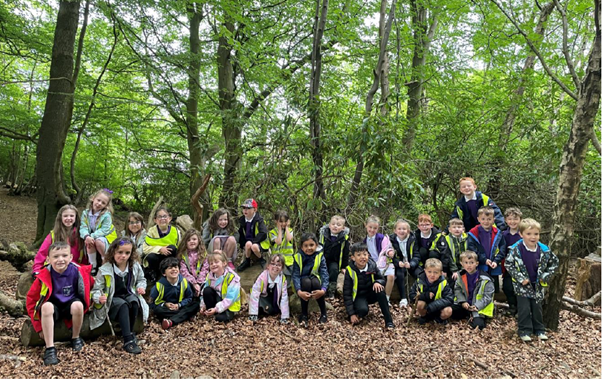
191, 269
260, 289
232, 292
39, 262
383, 260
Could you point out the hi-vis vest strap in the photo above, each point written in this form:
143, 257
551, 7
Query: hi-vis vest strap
161, 290
264, 244
227, 280
172, 238
261, 284
198, 263
440, 287
452, 247
342, 248
43, 294
461, 213
112, 235
354, 278
284, 248
316, 268
487, 310
107, 286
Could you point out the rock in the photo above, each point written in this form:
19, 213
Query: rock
175, 375
184, 222
25, 282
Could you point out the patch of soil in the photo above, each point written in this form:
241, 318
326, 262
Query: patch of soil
19, 217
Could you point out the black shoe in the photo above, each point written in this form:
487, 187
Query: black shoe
50, 356
244, 265
441, 321
77, 344
262, 262
93, 272
422, 321
132, 348
390, 325
303, 321
323, 318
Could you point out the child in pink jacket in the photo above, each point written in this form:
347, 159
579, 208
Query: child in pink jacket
269, 294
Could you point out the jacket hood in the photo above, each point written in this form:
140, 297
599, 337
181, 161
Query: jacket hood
325, 230
482, 274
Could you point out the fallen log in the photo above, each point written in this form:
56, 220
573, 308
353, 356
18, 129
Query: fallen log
592, 301
588, 277
580, 311
10, 305
17, 254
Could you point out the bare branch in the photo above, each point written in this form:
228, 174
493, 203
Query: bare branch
565, 48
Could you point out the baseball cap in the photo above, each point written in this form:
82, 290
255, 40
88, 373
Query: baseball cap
249, 203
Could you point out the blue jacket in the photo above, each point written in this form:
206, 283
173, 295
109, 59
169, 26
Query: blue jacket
171, 293
461, 211
308, 264
498, 249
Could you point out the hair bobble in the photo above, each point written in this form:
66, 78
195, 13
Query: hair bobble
108, 190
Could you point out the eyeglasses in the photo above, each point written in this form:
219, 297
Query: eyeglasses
162, 216
135, 222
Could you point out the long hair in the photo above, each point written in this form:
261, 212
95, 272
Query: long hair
184, 244
64, 233
109, 194
213, 226
110, 256
138, 217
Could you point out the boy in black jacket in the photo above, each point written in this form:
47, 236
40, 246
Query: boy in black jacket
433, 294
364, 285
334, 238
425, 235
253, 234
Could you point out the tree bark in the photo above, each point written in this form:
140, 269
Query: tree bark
580, 311
13, 307
57, 119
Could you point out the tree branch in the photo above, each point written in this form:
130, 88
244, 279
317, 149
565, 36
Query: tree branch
565, 48
592, 301
595, 141
80, 43
580, 311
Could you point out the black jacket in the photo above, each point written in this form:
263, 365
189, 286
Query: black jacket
257, 238
364, 284
433, 305
332, 249
410, 245
421, 254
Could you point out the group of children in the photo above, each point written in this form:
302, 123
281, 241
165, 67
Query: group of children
452, 273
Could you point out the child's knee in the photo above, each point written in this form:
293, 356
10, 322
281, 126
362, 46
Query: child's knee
77, 308
446, 313
421, 305
231, 240
255, 248
47, 309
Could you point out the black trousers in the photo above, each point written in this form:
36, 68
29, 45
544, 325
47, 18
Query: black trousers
400, 280
496, 282
180, 315
124, 310
154, 260
333, 271
362, 301
530, 316
211, 298
508, 289
309, 284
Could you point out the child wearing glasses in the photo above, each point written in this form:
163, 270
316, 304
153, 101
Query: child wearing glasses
162, 241
269, 295
135, 229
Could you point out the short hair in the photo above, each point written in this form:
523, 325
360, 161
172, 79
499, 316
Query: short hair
467, 179
279, 257
527, 224
433, 263
308, 236
169, 262
59, 245
217, 254
456, 222
373, 219
402, 221
513, 211
358, 247
485, 211
338, 218
162, 208
469, 255
281, 215
424, 218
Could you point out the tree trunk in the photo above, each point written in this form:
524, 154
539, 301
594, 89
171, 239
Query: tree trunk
588, 278
56, 119
571, 168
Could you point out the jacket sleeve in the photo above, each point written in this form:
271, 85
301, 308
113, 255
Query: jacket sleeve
262, 232
296, 276
460, 296
187, 295
33, 296
232, 294
147, 248
324, 273
42, 255
139, 276
345, 260
255, 294
99, 288
518, 274
206, 235
501, 255
84, 230
454, 213
447, 299
473, 245
241, 234
441, 250
153, 296
186, 273
204, 271
487, 296
379, 278
106, 222
500, 223
551, 266
348, 294
284, 308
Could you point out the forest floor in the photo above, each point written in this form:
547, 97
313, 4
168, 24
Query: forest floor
203, 349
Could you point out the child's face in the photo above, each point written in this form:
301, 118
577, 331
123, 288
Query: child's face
122, 254
135, 225
469, 265
360, 259
192, 243
432, 274
100, 202
486, 221
172, 273
222, 221
309, 247
467, 188
530, 237
512, 221
425, 226
456, 230
275, 268
162, 219
371, 229
282, 223
336, 226
68, 218
217, 266
59, 259
249, 212
402, 230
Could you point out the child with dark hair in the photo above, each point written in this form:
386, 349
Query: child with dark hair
171, 297
364, 285
281, 240
118, 291
193, 265
135, 229
162, 241
310, 277
513, 217
219, 233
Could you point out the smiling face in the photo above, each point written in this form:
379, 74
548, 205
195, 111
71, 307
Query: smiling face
217, 266
486, 221
99, 202
172, 274
193, 243
336, 226
309, 247
402, 230
222, 221
275, 267
360, 258
513, 221
432, 274
425, 227
134, 225
371, 228
162, 219
68, 218
122, 255
530, 237
59, 259
468, 188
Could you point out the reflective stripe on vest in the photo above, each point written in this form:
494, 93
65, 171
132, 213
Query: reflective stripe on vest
264, 244
171, 238
355, 281
112, 235
487, 310
236, 304
440, 287
161, 290
261, 284
198, 263
43, 294
485, 199
316, 269
342, 248
107, 286
284, 248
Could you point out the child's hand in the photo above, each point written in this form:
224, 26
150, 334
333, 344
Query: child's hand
202, 310
164, 251
89, 240
444, 275
141, 291
354, 319
390, 253
455, 276
431, 295
525, 282
317, 293
343, 271
377, 287
493, 265
402, 265
305, 296
171, 306
465, 305
211, 311
473, 308
102, 299
407, 265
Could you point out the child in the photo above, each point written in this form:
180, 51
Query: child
433, 294
380, 251
66, 228
426, 234
192, 260
334, 239
162, 241
61, 291
473, 293
171, 297
219, 233
487, 241
402, 242
449, 247
310, 277
269, 294
531, 264
469, 203
281, 239
221, 294
96, 227
135, 229
364, 285
253, 234
511, 235
118, 291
